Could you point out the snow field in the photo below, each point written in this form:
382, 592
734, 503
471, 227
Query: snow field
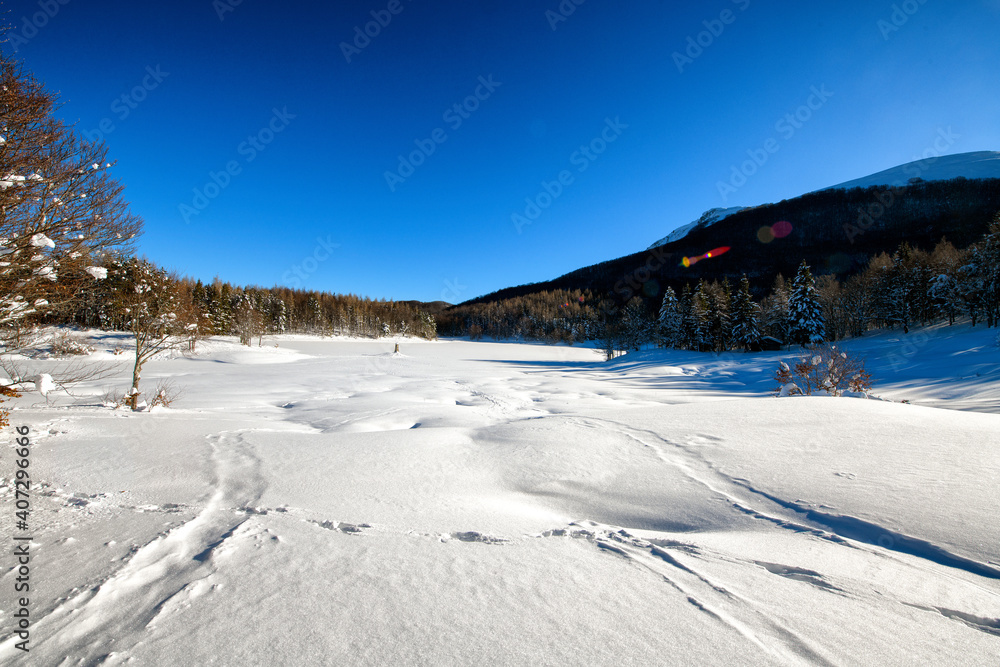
329, 502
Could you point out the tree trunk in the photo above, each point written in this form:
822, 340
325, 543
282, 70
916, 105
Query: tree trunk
133, 398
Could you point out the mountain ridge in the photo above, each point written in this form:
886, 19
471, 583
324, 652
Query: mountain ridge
974, 164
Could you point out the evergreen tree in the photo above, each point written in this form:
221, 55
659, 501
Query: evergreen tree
983, 275
720, 327
745, 318
805, 314
670, 322
700, 317
775, 310
944, 291
687, 323
635, 324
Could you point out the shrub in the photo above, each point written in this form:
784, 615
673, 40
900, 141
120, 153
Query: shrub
165, 393
5, 393
63, 345
825, 368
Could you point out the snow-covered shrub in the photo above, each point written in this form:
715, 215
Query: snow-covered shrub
786, 383
113, 398
164, 394
64, 344
823, 368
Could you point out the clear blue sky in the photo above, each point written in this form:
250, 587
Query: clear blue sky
445, 231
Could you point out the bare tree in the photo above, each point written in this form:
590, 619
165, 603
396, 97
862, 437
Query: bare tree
60, 212
154, 311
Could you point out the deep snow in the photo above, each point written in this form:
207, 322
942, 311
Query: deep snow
330, 502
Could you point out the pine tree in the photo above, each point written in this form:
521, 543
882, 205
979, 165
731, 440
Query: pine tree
635, 324
805, 314
745, 317
985, 261
687, 322
700, 317
944, 291
775, 310
670, 322
720, 328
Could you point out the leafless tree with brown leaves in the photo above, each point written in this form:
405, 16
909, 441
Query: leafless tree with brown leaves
60, 214
60, 210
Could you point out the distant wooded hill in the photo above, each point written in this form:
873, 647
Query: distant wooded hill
836, 231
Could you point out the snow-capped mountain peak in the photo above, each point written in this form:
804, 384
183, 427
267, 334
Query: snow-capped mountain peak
974, 165
978, 164
708, 218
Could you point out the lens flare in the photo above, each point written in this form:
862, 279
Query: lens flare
781, 229
715, 252
778, 230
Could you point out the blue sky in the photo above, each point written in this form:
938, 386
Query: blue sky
617, 123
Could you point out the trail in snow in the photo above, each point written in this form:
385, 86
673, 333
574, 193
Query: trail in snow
106, 620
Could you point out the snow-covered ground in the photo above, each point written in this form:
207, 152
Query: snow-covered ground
328, 502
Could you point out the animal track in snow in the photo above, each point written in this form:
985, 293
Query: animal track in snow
473, 536
797, 574
122, 607
341, 527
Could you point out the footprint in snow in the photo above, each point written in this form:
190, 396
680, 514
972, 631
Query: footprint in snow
341, 527
473, 536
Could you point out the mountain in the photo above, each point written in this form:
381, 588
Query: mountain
836, 230
979, 164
